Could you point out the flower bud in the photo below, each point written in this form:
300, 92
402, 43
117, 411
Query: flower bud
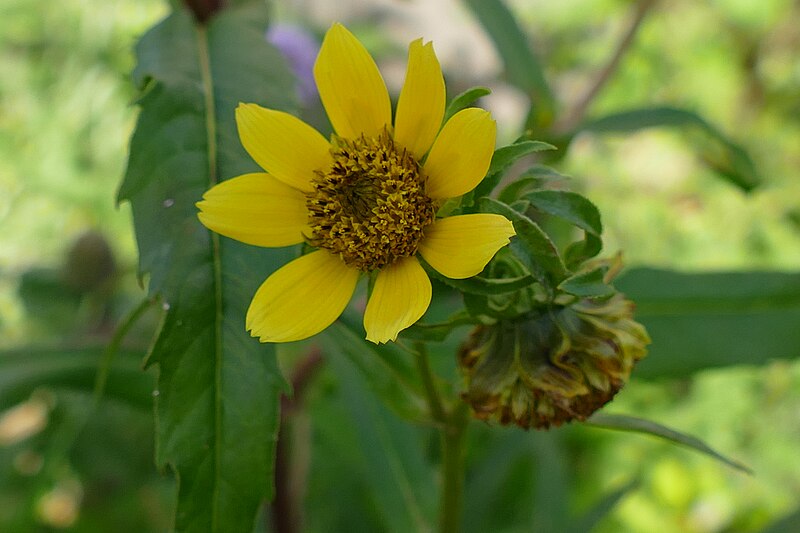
552, 366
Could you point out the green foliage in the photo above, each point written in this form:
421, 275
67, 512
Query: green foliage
729, 159
639, 425
218, 392
522, 68
753, 317
365, 431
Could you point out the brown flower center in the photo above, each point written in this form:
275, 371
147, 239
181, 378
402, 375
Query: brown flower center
370, 206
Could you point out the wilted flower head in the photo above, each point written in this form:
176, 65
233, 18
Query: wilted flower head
552, 366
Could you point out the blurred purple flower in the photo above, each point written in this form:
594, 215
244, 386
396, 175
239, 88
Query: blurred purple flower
300, 48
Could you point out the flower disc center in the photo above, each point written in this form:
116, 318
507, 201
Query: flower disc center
370, 206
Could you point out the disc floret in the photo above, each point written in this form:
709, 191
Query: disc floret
369, 207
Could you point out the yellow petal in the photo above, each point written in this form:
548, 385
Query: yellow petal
350, 86
461, 154
460, 246
301, 298
400, 297
255, 209
283, 145
421, 105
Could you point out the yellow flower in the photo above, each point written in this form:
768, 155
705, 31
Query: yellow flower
366, 200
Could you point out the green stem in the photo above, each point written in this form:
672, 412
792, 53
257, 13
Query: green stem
452, 438
431, 392
113, 347
452, 428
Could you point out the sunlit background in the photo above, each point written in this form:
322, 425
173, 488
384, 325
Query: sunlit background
68, 256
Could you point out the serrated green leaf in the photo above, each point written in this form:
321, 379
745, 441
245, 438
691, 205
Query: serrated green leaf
569, 206
23, 370
218, 392
576, 210
464, 100
588, 284
531, 245
753, 317
715, 148
640, 425
522, 68
503, 157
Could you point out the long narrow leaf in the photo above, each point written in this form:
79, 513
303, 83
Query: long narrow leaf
716, 149
707, 320
218, 389
523, 70
73, 368
640, 425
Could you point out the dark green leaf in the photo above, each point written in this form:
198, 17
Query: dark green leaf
640, 425
534, 178
531, 245
400, 482
588, 284
576, 210
24, 369
505, 156
706, 320
218, 392
502, 159
484, 286
570, 206
387, 369
717, 150
788, 524
465, 100
589, 520
522, 68
439, 331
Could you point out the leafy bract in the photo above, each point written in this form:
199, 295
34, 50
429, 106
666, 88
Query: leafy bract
464, 100
531, 245
218, 390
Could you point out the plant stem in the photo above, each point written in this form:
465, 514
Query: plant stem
452, 429
286, 515
578, 112
431, 392
452, 438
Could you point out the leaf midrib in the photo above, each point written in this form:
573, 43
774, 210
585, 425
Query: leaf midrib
209, 108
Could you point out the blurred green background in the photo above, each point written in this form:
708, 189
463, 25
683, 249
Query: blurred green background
68, 260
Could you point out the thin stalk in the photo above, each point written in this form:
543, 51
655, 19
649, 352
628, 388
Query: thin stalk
452, 429
452, 439
578, 112
113, 347
431, 392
